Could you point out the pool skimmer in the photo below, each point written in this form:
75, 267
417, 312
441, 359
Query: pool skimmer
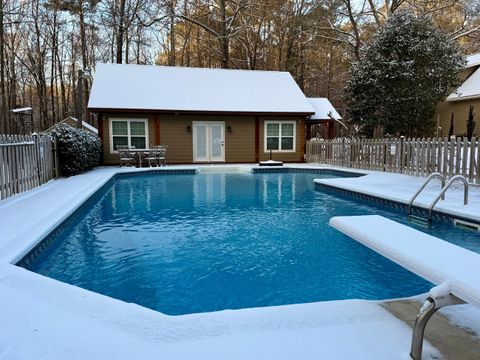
466, 224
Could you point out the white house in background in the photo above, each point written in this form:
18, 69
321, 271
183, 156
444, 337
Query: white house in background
459, 101
325, 121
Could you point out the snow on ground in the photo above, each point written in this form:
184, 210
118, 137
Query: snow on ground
45, 319
464, 316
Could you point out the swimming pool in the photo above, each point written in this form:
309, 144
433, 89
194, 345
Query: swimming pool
183, 244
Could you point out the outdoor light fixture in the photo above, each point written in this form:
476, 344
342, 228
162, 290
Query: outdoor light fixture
189, 129
229, 128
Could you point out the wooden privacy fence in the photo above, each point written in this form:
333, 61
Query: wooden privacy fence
26, 161
418, 157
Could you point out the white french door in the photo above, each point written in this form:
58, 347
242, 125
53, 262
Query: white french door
208, 141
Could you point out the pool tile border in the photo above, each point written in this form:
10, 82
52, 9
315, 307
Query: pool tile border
48, 240
437, 215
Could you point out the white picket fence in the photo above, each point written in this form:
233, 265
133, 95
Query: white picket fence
26, 161
418, 157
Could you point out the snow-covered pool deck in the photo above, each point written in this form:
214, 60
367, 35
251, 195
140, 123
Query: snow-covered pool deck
43, 318
400, 188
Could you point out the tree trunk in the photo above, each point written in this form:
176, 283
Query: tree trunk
3, 98
224, 38
120, 31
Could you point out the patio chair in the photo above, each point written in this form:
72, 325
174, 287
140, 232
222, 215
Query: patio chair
162, 155
151, 157
159, 152
127, 158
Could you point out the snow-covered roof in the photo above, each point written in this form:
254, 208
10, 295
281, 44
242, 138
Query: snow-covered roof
21, 110
84, 124
323, 107
470, 88
163, 88
473, 60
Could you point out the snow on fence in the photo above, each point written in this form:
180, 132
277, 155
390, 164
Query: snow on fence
418, 157
25, 163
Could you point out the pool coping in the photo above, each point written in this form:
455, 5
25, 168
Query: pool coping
100, 178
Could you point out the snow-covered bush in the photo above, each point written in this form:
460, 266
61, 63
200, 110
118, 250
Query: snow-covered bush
78, 149
404, 71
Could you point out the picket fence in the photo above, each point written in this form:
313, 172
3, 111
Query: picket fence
418, 157
26, 161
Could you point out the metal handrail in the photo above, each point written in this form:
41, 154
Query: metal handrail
427, 180
444, 190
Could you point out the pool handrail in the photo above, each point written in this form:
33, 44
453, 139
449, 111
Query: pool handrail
427, 180
444, 190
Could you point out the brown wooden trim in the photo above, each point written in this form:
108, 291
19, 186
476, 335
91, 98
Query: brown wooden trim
100, 120
100, 125
257, 139
201, 112
157, 130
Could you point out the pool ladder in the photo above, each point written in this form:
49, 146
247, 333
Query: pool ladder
441, 194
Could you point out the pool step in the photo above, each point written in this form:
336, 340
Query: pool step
422, 221
223, 170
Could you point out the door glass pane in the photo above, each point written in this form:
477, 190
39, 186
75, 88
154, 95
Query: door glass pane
272, 143
287, 129
119, 128
287, 143
216, 131
201, 139
119, 141
272, 129
137, 128
138, 142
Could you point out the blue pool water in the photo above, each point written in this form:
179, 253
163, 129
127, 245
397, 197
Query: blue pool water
193, 243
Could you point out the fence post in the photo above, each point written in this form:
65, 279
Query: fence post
55, 157
37, 157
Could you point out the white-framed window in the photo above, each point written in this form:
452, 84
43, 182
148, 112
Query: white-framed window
280, 136
128, 132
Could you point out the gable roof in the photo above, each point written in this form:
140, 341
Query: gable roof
323, 107
85, 125
473, 60
181, 89
470, 88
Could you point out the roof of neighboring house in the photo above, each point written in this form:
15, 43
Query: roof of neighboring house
84, 124
473, 60
470, 88
323, 107
181, 89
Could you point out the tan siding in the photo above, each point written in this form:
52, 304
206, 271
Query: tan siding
173, 132
239, 144
460, 112
296, 156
